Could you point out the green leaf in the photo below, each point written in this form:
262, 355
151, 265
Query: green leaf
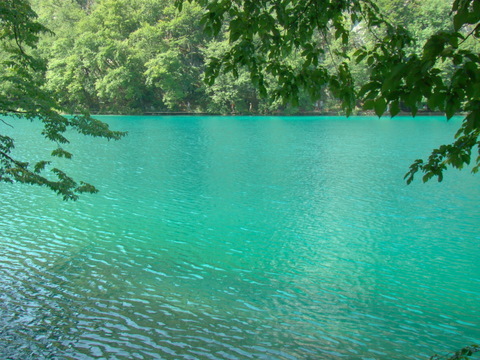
432, 102
380, 106
369, 87
450, 109
394, 108
359, 58
460, 19
476, 7
434, 46
59, 152
369, 104
236, 29
39, 166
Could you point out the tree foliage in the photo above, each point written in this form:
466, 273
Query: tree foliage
264, 34
462, 354
22, 94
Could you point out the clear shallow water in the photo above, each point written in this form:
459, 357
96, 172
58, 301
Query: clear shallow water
244, 238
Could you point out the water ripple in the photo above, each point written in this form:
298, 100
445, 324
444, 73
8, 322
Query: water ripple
262, 239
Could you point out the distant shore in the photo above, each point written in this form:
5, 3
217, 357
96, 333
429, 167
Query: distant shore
300, 113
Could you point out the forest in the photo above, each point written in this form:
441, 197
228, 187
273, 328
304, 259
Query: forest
147, 57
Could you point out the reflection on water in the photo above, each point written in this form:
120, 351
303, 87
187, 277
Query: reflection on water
237, 238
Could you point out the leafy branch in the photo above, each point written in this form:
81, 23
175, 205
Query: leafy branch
23, 95
398, 76
462, 354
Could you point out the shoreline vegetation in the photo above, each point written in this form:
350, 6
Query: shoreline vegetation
278, 113
129, 57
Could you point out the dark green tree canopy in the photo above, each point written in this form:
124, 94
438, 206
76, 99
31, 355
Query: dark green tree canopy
267, 36
22, 94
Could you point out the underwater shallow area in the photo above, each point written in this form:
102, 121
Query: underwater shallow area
243, 238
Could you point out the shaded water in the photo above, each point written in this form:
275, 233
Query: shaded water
243, 238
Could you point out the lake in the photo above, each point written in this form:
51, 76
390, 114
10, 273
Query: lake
243, 238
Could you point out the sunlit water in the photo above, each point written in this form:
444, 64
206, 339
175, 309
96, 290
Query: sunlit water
243, 238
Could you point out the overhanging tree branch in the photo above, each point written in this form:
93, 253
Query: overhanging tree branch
25, 96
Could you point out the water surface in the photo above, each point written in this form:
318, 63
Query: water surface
243, 238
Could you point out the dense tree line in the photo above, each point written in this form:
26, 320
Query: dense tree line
141, 56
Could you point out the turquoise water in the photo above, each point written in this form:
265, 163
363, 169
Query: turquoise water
243, 238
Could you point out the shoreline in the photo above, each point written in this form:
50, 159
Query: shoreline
306, 113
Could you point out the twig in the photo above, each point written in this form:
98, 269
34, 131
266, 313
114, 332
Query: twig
3, 121
470, 34
16, 162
